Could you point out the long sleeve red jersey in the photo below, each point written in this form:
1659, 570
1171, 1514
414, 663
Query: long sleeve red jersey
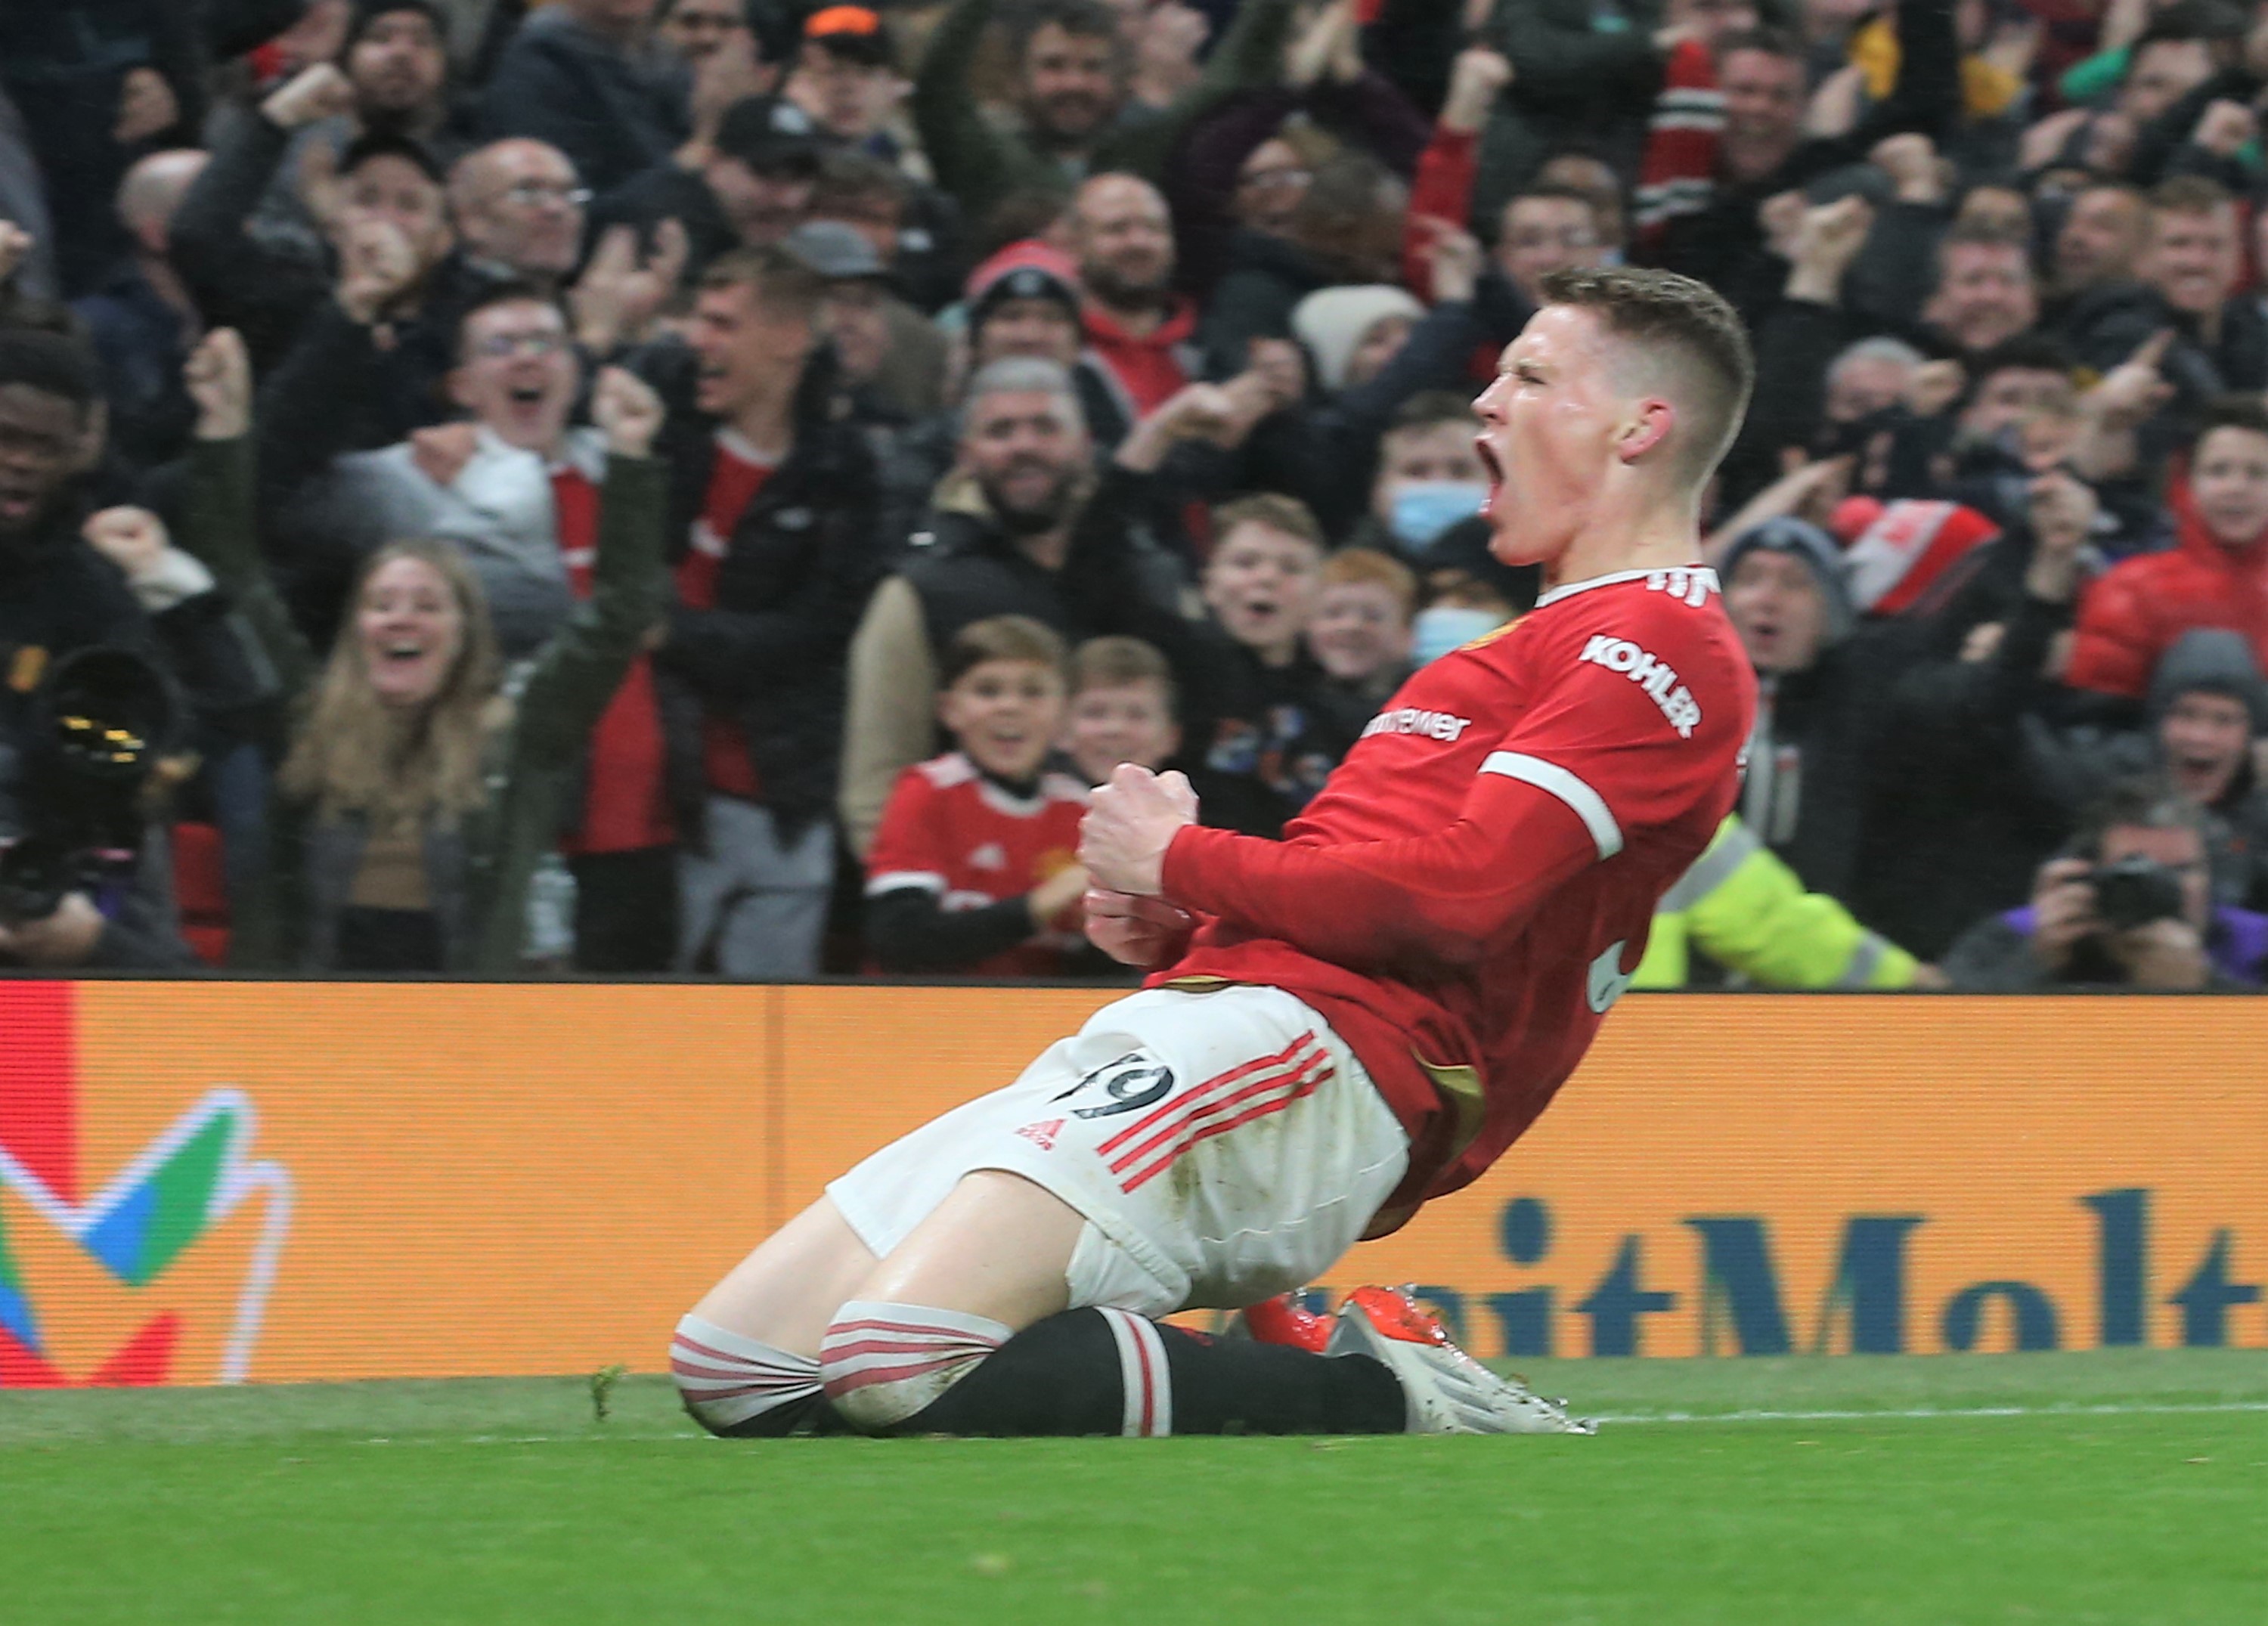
1473, 887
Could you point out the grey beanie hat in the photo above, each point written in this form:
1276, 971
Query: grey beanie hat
1808, 542
2216, 661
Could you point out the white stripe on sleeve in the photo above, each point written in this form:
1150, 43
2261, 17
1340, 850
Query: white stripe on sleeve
900, 880
1553, 780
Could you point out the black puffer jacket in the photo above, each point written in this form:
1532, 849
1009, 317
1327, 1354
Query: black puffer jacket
796, 575
1267, 278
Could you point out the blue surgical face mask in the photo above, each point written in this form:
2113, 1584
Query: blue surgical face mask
1448, 627
1422, 509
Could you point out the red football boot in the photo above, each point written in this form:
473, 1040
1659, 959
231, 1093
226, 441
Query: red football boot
1284, 1319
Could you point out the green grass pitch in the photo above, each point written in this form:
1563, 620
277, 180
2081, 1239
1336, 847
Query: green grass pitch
2120, 1486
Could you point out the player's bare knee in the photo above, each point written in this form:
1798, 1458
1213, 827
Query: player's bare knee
883, 1362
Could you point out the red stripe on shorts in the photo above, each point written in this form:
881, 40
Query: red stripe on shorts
1243, 1118
1230, 1077
1197, 1110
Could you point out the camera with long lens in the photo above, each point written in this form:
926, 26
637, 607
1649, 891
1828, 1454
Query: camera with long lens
2134, 891
71, 816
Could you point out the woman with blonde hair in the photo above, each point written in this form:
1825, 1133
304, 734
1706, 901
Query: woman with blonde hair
423, 784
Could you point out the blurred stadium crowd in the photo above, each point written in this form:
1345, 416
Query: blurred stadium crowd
625, 486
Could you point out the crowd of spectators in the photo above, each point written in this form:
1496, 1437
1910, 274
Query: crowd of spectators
705, 486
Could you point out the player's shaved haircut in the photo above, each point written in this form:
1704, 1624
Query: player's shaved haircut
1679, 336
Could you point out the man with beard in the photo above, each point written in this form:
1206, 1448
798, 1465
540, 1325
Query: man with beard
2096, 249
1136, 327
996, 545
255, 236
1073, 115
392, 75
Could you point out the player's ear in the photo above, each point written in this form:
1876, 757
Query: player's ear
1651, 420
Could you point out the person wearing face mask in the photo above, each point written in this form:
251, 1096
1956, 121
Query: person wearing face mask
422, 785
1468, 593
1429, 475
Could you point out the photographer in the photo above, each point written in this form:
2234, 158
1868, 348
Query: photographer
2129, 906
83, 879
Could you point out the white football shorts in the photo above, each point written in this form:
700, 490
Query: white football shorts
1225, 1145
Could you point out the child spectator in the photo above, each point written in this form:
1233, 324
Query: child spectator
1468, 592
1122, 708
1262, 724
1361, 632
1429, 475
1266, 727
972, 869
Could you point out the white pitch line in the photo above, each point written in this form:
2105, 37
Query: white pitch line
1618, 1419
2145, 1408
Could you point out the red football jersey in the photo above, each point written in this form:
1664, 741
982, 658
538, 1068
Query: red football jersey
736, 476
1473, 887
950, 830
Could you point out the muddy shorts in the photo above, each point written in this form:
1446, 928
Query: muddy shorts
1223, 1145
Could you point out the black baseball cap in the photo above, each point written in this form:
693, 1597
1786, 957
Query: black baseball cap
387, 143
771, 135
1022, 282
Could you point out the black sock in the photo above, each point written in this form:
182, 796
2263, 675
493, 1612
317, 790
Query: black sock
1092, 1372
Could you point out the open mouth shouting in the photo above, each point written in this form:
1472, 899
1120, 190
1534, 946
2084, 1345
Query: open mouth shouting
1494, 464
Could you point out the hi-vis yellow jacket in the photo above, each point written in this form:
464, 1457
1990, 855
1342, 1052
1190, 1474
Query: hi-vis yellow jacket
1746, 909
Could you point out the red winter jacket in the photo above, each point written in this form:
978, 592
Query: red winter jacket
2133, 614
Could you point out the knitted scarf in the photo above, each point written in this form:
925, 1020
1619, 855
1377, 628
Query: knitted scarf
1675, 173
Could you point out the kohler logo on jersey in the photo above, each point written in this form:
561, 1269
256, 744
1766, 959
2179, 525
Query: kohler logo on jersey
1650, 673
1410, 720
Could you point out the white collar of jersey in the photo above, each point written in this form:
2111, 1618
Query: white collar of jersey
1692, 573
741, 447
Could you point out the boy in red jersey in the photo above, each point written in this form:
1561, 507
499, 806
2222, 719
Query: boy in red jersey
972, 869
1340, 1026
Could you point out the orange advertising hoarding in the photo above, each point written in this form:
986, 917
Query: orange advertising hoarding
222, 1181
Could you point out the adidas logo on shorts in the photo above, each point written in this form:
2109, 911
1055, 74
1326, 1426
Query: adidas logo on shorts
1043, 1135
